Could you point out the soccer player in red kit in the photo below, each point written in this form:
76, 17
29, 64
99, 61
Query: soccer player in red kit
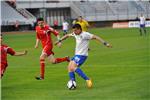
43, 34
4, 51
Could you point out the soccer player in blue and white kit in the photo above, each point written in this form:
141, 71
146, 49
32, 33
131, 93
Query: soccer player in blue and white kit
65, 27
142, 24
81, 52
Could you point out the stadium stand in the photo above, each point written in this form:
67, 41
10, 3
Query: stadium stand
118, 10
9, 16
93, 11
26, 14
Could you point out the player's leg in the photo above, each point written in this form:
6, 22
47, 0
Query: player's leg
42, 66
51, 58
84, 76
73, 67
71, 71
145, 31
54, 60
144, 28
43, 56
63, 32
77, 61
140, 31
66, 31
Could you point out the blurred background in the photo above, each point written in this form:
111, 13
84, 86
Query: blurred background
103, 13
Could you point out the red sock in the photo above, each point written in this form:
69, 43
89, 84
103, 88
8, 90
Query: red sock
59, 60
42, 63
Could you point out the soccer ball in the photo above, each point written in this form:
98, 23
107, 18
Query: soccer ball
71, 85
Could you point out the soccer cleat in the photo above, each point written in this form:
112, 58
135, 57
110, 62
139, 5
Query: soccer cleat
39, 78
89, 83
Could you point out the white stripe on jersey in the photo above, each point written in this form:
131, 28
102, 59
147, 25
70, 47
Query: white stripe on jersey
82, 43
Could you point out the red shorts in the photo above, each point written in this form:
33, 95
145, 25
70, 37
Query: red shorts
3, 68
48, 50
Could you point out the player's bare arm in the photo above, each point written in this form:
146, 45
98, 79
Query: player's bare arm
21, 53
37, 43
63, 38
58, 39
99, 39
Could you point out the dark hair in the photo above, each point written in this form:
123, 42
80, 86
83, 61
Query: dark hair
40, 19
78, 26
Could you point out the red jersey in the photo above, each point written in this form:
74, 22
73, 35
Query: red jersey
44, 35
4, 51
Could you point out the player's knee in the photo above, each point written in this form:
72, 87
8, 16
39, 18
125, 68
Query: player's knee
41, 58
54, 61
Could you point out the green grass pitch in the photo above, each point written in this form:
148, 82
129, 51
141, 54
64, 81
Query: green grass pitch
118, 73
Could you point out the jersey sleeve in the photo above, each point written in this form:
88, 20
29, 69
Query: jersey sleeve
53, 31
87, 35
10, 51
37, 35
